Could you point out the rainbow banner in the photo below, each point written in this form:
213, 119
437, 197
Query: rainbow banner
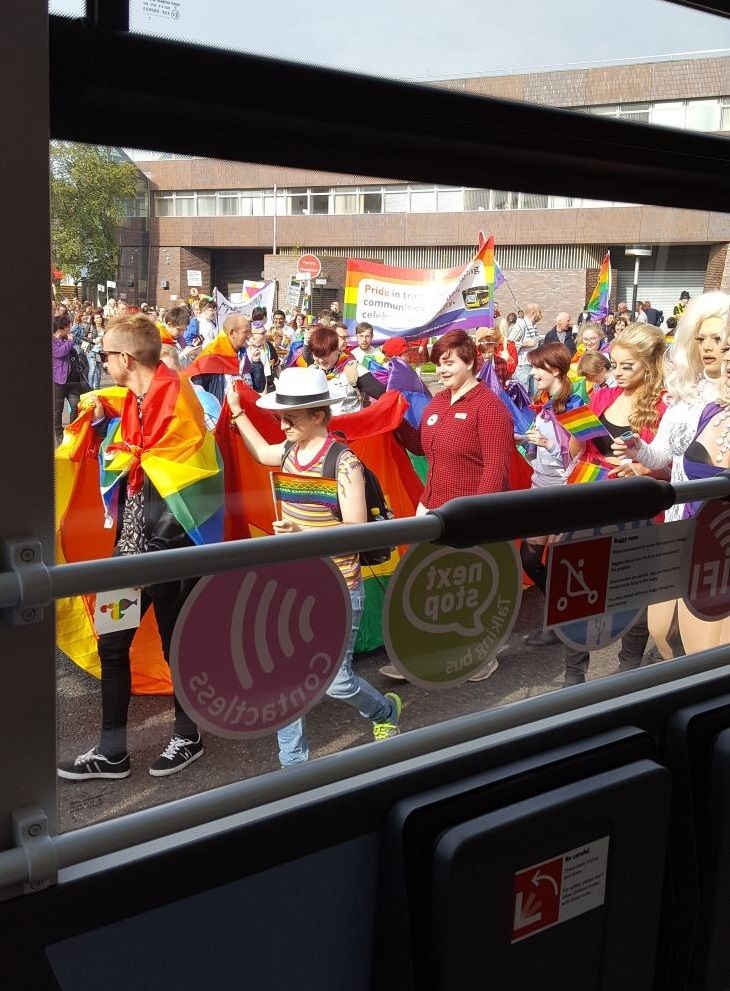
301, 489
600, 302
582, 423
584, 471
420, 302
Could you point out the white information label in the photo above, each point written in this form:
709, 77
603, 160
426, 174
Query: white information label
117, 610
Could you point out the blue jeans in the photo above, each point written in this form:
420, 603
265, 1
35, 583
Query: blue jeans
523, 374
348, 687
94, 374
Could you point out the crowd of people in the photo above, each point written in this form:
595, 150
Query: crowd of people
660, 388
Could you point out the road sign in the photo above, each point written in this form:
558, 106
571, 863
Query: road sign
708, 586
309, 265
447, 611
254, 650
559, 889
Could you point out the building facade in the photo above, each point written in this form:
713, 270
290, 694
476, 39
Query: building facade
220, 223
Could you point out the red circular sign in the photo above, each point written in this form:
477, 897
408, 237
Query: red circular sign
309, 265
708, 587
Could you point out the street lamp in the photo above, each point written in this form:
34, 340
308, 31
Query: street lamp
637, 251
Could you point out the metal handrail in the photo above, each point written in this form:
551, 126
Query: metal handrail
461, 522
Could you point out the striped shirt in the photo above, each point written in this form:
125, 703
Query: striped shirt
310, 514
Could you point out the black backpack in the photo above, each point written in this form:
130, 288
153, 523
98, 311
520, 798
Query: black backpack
78, 369
377, 507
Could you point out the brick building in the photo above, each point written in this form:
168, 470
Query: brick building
235, 221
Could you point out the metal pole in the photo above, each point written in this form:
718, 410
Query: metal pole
637, 260
274, 238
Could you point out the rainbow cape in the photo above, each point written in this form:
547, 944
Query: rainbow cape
582, 423
181, 460
217, 358
600, 301
584, 471
301, 489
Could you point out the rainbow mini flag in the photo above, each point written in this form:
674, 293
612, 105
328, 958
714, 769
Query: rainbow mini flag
584, 471
302, 489
600, 301
582, 423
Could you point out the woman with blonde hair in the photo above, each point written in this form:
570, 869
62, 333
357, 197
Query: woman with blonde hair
692, 377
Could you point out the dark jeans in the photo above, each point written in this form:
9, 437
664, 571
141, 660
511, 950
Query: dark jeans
633, 645
116, 677
70, 391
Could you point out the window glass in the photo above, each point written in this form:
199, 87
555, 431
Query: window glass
668, 114
725, 118
703, 115
396, 199
298, 202
372, 202
206, 204
320, 203
638, 112
228, 204
346, 201
551, 262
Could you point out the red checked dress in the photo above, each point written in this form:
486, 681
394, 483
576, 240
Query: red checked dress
468, 444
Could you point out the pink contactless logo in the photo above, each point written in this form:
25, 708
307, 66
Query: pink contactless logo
254, 650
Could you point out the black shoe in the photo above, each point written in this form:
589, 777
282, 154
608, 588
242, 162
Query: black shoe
94, 765
573, 679
545, 638
178, 753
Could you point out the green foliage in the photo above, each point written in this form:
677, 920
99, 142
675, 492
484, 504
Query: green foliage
88, 188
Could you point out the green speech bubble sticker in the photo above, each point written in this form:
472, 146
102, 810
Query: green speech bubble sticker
447, 611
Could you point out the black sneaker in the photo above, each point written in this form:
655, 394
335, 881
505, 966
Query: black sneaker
178, 753
94, 765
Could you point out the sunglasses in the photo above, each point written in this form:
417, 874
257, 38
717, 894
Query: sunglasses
104, 355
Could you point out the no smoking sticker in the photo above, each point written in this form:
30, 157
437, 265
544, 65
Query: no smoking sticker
559, 889
447, 611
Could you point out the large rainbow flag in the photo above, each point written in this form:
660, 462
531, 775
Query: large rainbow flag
181, 460
217, 358
600, 302
419, 302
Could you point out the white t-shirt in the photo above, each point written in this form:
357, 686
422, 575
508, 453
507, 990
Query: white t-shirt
372, 352
207, 330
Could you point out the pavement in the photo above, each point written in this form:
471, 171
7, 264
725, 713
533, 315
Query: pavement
523, 672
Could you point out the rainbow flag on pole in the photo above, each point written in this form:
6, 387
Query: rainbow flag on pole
600, 302
584, 471
302, 489
582, 423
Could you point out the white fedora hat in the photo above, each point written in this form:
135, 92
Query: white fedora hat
300, 388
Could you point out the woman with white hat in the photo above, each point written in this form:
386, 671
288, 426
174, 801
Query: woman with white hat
302, 401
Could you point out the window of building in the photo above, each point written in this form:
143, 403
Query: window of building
396, 199
533, 201
298, 202
346, 200
670, 114
504, 200
423, 199
372, 202
251, 203
476, 199
450, 200
703, 115
269, 203
319, 201
206, 204
638, 112
228, 203
725, 114
184, 204
164, 205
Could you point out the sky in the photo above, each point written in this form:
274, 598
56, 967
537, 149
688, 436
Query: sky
403, 39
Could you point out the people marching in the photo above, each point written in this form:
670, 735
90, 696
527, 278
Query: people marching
154, 395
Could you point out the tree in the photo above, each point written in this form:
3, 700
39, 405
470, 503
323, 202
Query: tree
88, 189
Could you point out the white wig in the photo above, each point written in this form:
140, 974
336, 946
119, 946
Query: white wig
683, 363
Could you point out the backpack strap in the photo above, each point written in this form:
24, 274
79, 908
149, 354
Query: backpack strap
288, 445
329, 468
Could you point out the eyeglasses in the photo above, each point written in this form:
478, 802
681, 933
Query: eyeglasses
104, 355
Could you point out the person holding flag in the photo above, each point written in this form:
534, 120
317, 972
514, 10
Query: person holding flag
227, 357
303, 403
150, 436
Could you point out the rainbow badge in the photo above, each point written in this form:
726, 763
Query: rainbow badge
302, 489
117, 610
582, 423
584, 471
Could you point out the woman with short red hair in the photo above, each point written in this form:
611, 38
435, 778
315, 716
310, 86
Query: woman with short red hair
466, 433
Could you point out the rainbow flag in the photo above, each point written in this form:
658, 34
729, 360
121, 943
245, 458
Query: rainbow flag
417, 302
300, 489
600, 301
582, 423
217, 358
176, 452
584, 471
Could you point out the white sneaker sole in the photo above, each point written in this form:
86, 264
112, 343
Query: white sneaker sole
487, 671
90, 775
174, 770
